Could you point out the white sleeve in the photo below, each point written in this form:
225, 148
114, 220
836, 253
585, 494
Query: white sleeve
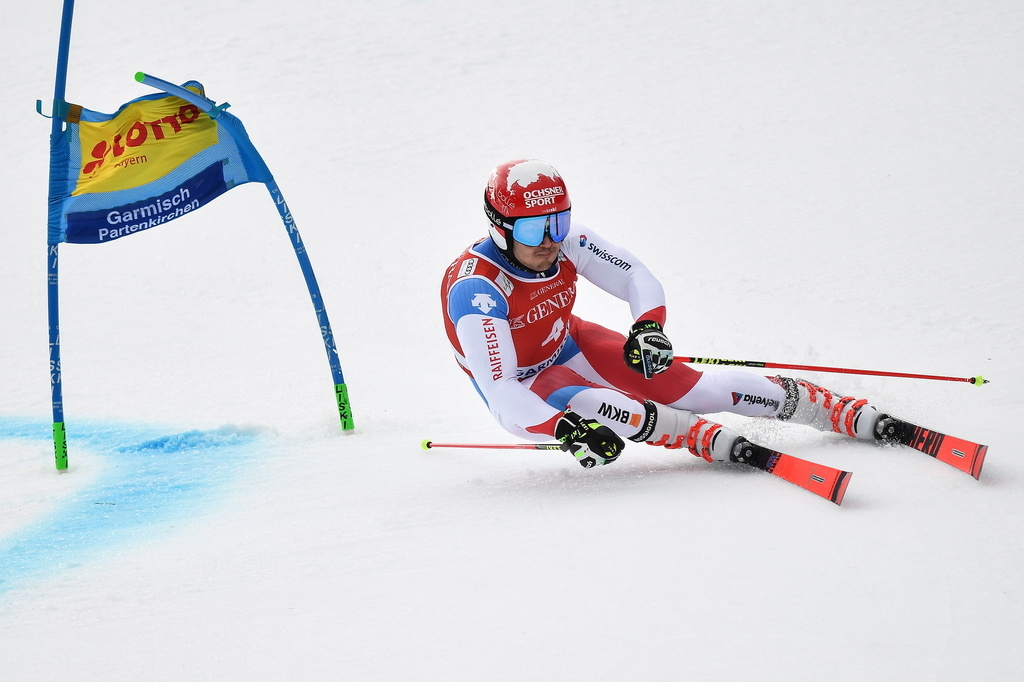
614, 269
490, 356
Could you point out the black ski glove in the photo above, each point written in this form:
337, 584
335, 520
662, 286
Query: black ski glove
591, 442
647, 349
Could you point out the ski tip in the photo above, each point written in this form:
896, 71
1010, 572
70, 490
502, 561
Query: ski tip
841, 484
426, 444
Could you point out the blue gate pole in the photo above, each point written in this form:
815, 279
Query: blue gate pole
214, 111
340, 388
60, 443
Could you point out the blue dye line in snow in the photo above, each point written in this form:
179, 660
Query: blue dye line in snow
150, 479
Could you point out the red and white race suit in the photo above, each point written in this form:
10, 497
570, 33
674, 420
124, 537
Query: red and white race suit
530, 358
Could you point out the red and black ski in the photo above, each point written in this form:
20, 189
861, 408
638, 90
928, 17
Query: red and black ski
821, 480
965, 455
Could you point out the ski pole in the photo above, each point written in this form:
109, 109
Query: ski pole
977, 381
428, 444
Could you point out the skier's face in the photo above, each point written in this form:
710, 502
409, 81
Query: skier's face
538, 258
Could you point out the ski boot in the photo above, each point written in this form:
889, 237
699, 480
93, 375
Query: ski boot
818, 407
672, 428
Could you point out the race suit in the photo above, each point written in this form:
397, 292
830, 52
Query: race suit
514, 333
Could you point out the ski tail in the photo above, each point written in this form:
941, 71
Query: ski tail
965, 455
819, 479
959, 453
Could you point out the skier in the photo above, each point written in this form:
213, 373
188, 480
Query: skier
544, 372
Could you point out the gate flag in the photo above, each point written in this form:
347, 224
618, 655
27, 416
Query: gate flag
157, 158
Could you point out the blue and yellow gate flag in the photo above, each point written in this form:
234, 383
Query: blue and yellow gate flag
158, 158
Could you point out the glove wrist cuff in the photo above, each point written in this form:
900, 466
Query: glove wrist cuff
642, 325
567, 426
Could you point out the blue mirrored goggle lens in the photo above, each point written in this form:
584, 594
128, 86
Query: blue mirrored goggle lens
531, 231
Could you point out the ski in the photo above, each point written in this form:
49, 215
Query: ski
819, 479
965, 455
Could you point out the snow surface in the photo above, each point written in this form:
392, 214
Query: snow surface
823, 183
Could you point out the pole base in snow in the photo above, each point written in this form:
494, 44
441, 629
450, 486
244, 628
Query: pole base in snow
344, 407
60, 446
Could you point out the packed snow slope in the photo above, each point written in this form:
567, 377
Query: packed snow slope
816, 183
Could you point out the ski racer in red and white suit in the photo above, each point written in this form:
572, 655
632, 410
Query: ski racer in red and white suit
535, 363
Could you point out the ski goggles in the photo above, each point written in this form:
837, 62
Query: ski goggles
531, 231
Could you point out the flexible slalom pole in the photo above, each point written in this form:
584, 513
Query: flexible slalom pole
205, 104
977, 381
214, 111
60, 442
428, 444
340, 388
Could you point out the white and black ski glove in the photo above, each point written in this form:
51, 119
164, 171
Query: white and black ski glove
647, 349
590, 441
